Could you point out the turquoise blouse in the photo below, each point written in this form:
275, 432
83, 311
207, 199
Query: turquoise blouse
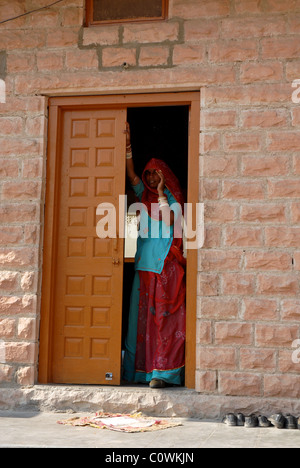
155, 237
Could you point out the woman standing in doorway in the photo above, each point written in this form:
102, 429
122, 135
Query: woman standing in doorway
155, 343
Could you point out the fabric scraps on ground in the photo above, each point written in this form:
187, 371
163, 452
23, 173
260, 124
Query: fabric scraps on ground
121, 422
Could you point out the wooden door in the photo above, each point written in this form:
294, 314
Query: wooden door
87, 296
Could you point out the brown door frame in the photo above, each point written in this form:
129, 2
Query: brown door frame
56, 106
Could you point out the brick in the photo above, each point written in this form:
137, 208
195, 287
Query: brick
233, 51
19, 213
260, 360
263, 213
48, 18
7, 328
238, 190
20, 352
188, 54
72, 16
297, 261
153, 56
218, 119
252, 27
296, 117
206, 381
48, 61
260, 309
296, 164
11, 235
284, 188
220, 166
219, 308
29, 281
248, 6
220, 260
116, 57
32, 168
280, 48
6, 373
275, 335
282, 6
242, 142
268, 261
256, 118
207, 8
239, 383
248, 95
149, 33
20, 39
209, 142
295, 212
62, 37
277, 284
11, 125
20, 147
233, 333
284, 141
26, 376
285, 361
106, 35
215, 358
265, 166
290, 310
12, 305
261, 72
35, 126
9, 280
21, 257
277, 386
238, 284
9, 168
212, 237
21, 190
198, 29
80, 59
293, 70
208, 284
219, 212
283, 236
26, 329
18, 63
204, 335
240, 236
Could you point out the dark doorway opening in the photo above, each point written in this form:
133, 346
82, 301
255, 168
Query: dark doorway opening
161, 132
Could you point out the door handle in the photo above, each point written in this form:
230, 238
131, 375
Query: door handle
116, 261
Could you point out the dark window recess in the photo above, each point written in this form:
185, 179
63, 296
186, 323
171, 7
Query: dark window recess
110, 11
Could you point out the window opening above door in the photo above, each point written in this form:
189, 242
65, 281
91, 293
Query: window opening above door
114, 11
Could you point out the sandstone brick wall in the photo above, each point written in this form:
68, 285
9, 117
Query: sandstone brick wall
243, 55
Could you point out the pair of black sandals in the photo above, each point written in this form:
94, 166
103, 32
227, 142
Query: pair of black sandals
278, 420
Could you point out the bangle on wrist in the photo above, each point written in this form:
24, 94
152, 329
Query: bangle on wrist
129, 155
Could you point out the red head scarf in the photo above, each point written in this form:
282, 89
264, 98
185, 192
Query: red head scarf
150, 195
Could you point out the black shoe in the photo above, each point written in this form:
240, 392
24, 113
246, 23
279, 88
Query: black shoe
240, 419
291, 422
251, 421
230, 419
263, 421
157, 383
278, 420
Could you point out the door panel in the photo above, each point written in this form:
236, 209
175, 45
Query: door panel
87, 305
